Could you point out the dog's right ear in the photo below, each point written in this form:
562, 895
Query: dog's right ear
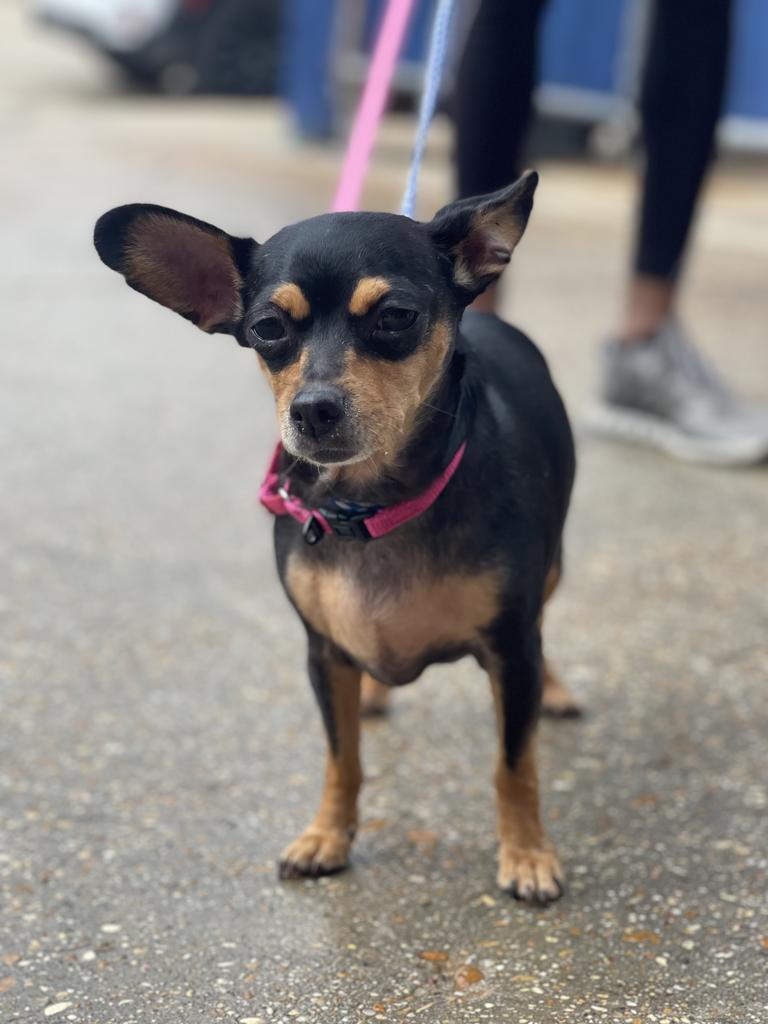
479, 234
183, 263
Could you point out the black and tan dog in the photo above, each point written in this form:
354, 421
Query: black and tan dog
424, 474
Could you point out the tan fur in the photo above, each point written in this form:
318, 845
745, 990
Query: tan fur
368, 291
285, 383
493, 232
388, 397
392, 632
185, 267
527, 861
292, 300
374, 697
556, 699
551, 581
324, 845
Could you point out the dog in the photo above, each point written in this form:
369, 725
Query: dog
423, 476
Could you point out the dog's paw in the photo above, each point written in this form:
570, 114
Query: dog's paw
374, 698
534, 876
557, 701
315, 853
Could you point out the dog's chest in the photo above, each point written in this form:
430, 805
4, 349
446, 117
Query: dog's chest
395, 632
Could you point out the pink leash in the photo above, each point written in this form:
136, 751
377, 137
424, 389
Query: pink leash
371, 109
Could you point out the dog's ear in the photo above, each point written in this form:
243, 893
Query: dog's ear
479, 234
180, 262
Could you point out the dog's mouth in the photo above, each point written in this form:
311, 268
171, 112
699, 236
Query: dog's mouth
327, 454
338, 447
332, 456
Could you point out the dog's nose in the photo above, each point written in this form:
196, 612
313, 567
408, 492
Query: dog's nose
317, 409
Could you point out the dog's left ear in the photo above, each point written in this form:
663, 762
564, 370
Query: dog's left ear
479, 234
191, 267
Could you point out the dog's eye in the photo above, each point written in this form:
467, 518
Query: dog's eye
396, 319
269, 328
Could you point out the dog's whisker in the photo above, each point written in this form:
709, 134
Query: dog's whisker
444, 412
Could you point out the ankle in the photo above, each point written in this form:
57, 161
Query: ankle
650, 303
637, 333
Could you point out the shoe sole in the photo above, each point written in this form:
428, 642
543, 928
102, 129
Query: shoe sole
618, 423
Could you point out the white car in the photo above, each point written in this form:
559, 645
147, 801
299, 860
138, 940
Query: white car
213, 46
120, 26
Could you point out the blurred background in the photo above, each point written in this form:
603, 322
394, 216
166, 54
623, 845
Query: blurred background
314, 53
158, 741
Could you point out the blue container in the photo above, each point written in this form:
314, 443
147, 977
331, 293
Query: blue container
581, 50
580, 43
417, 36
748, 88
306, 40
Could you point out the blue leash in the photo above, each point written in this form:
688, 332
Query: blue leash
433, 75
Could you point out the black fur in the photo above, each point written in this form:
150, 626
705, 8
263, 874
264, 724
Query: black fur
505, 508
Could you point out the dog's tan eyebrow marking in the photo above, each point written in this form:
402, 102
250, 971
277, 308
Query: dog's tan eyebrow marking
292, 300
367, 293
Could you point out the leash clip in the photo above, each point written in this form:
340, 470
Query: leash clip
343, 524
312, 531
348, 529
347, 520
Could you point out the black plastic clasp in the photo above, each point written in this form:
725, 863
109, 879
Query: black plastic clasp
312, 531
349, 529
349, 525
346, 523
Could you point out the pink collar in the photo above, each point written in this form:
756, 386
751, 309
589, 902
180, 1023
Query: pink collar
345, 519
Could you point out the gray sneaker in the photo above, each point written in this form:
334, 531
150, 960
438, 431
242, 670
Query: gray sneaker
663, 393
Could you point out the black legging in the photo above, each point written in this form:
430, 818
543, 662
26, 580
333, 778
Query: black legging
680, 101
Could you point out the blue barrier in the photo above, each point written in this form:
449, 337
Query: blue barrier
306, 44
581, 43
748, 89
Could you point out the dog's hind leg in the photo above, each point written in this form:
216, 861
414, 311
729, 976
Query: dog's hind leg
374, 701
323, 848
528, 865
557, 701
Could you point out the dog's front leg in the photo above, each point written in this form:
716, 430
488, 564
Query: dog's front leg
323, 848
528, 866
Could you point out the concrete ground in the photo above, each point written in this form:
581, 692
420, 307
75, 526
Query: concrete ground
158, 740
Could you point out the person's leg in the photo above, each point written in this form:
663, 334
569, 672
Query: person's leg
680, 103
493, 99
657, 388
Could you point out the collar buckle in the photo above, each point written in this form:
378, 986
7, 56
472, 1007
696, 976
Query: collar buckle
347, 525
312, 531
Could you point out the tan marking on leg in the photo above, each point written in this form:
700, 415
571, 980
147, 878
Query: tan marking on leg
368, 291
557, 700
323, 847
528, 865
292, 300
375, 697
551, 582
